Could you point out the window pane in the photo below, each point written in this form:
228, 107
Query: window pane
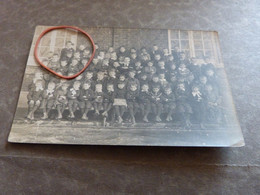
175, 43
61, 32
45, 41
207, 45
59, 42
184, 34
196, 34
185, 45
198, 45
174, 34
199, 54
209, 53
206, 35
43, 52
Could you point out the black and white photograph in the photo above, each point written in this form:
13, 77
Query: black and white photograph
150, 87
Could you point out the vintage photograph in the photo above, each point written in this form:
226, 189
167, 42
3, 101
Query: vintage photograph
143, 87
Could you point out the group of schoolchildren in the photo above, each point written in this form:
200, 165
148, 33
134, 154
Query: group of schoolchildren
121, 84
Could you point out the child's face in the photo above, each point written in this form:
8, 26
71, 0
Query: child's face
144, 77
203, 80
51, 86
74, 62
138, 64
76, 85
38, 75
100, 76
110, 88
64, 87
89, 75
182, 66
86, 52
145, 88
76, 54
181, 85
156, 90
150, 64
84, 62
122, 49
81, 47
116, 64
155, 79
133, 50
152, 71
173, 78
168, 91
210, 72
182, 56
112, 74
133, 55
127, 60
79, 77
173, 66
122, 78
102, 54
55, 58
131, 74
165, 51
38, 84
121, 85
95, 61
69, 45
171, 58
155, 47
133, 88
69, 54
161, 64
157, 57
111, 49
86, 86
113, 55
98, 88
161, 76
195, 89
106, 62
63, 63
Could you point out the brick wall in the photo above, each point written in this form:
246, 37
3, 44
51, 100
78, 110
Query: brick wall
129, 38
139, 38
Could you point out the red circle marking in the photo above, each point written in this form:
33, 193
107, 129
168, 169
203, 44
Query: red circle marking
62, 27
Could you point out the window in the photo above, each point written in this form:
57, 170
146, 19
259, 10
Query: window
196, 44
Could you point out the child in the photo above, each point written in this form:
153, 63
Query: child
150, 70
66, 50
100, 77
163, 82
34, 98
108, 101
86, 53
132, 104
184, 74
144, 101
168, 99
143, 79
156, 102
98, 98
48, 99
54, 63
73, 94
120, 98
61, 99
73, 67
138, 67
81, 50
184, 108
144, 56
111, 79
77, 55
63, 67
86, 98
131, 79
161, 66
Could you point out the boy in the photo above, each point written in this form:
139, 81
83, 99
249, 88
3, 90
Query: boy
73, 94
131, 79
67, 49
120, 98
150, 70
132, 105
143, 79
184, 108
144, 101
108, 101
98, 98
48, 99
161, 66
86, 53
86, 98
100, 77
156, 102
184, 74
61, 99
168, 99
73, 67
198, 105
111, 79
64, 67
54, 63
138, 67
34, 98
163, 82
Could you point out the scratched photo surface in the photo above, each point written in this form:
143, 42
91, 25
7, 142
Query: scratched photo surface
146, 87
